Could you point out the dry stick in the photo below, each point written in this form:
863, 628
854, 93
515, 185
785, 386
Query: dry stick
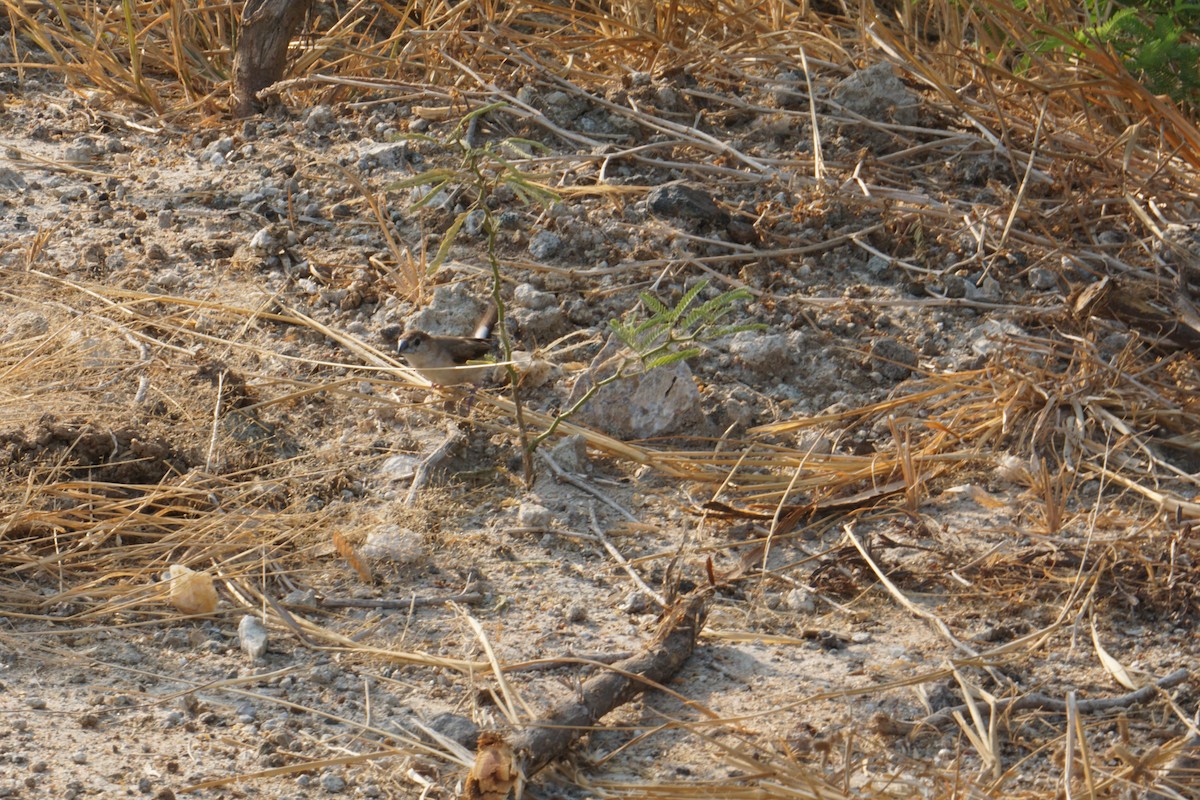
570, 659
620, 559
1170, 504
567, 477
912, 608
539, 744
1042, 702
1181, 772
454, 439
469, 597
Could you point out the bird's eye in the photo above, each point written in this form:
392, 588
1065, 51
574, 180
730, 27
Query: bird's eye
414, 343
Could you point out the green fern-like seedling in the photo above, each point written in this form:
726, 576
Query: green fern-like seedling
674, 333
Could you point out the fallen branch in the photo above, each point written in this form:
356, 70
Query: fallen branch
547, 739
455, 439
1038, 702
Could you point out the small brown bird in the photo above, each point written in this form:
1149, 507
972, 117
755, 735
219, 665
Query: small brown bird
444, 360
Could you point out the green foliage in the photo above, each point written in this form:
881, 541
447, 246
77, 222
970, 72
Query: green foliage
483, 168
666, 335
1158, 39
672, 333
669, 334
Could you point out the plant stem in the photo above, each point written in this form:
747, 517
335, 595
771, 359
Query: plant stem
514, 379
536, 441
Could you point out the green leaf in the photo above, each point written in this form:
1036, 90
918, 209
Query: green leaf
673, 357
685, 301
654, 304
422, 179
447, 240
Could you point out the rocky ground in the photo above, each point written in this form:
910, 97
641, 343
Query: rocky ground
207, 312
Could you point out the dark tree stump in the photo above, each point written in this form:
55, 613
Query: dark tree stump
261, 55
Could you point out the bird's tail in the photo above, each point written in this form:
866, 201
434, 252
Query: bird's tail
484, 329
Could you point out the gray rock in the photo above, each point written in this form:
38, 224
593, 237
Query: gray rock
80, 153
800, 601
1180, 245
642, 404
571, 454
893, 359
390, 542
877, 94
452, 311
72, 194
764, 356
1041, 278
544, 245
11, 179
263, 241
527, 295
788, 90
303, 598
540, 324
399, 467
988, 290
877, 265
381, 154
988, 336
333, 783
457, 728
319, 117
473, 224
534, 515
954, 286
686, 202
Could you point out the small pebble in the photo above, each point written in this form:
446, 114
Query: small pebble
263, 241
545, 245
1042, 279
333, 784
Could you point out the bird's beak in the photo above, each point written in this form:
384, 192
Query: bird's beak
401, 345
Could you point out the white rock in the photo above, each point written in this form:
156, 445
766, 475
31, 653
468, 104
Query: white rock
393, 543
534, 515
263, 242
253, 637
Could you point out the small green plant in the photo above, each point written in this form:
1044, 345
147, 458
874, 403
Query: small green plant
673, 333
658, 336
1158, 41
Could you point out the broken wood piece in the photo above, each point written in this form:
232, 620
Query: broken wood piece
494, 773
455, 439
549, 738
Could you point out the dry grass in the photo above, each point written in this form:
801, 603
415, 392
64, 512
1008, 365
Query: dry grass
1090, 151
